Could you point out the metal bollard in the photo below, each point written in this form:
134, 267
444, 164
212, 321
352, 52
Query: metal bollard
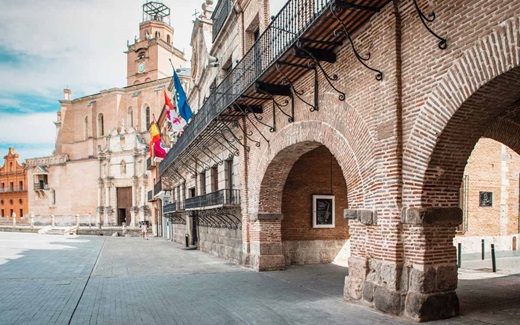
493, 258
459, 254
483, 250
187, 239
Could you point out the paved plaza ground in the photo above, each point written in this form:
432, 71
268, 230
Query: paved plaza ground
48, 279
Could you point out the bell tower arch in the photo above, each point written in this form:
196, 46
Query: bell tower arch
148, 57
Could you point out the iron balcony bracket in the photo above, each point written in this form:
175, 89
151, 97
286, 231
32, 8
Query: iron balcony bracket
277, 105
259, 119
232, 147
295, 92
237, 139
219, 218
201, 163
232, 152
186, 165
335, 7
176, 170
328, 78
211, 156
246, 134
443, 44
250, 110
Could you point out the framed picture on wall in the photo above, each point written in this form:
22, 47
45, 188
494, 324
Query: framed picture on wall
323, 211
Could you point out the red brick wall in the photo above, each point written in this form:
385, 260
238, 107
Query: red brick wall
492, 167
311, 175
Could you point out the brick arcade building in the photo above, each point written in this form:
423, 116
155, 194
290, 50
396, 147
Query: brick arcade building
342, 124
13, 188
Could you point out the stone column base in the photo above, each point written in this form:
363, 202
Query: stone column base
425, 307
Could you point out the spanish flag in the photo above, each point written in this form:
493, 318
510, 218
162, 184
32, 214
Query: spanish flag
154, 137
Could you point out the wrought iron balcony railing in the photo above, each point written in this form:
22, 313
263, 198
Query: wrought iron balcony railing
157, 188
175, 206
218, 198
220, 15
150, 164
312, 21
39, 186
281, 34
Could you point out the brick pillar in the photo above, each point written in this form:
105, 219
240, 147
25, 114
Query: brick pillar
266, 242
432, 266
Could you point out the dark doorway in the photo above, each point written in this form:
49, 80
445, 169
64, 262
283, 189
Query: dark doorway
124, 204
121, 216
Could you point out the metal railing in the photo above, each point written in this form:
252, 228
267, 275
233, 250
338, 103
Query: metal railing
149, 163
11, 190
281, 34
218, 198
157, 187
220, 15
38, 186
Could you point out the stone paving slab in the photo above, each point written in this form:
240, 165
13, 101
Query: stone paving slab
100, 280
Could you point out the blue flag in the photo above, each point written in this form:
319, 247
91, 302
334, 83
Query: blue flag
180, 96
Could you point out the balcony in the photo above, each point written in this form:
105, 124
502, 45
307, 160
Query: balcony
309, 22
41, 186
157, 188
220, 15
12, 190
222, 198
150, 164
175, 206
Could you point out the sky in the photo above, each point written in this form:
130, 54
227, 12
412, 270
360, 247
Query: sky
46, 46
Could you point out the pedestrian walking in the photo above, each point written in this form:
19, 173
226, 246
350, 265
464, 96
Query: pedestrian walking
144, 230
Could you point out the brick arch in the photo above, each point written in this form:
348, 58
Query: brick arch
448, 123
506, 129
275, 162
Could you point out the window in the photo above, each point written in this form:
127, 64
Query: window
11, 202
20, 185
101, 127
168, 40
157, 35
85, 128
20, 201
11, 186
11, 214
3, 213
21, 213
202, 183
130, 117
214, 179
192, 192
147, 118
2, 202
229, 174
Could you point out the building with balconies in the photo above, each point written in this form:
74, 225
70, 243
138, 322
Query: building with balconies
345, 126
13, 188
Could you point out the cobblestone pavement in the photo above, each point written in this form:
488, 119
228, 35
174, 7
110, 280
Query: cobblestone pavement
96, 280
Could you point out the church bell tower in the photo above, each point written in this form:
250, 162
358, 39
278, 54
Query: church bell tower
148, 57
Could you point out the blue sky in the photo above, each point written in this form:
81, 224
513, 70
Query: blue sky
46, 46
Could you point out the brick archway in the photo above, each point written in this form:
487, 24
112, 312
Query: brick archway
483, 74
272, 169
274, 163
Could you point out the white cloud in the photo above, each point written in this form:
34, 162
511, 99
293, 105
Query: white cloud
29, 128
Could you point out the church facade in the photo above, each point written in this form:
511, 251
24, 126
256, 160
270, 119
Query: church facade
99, 167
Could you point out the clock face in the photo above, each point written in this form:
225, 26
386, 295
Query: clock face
140, 67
